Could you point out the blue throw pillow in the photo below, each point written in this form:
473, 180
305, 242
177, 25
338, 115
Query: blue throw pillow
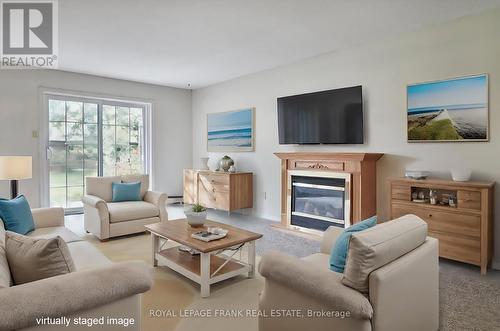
16, 215
126, 192
339, 252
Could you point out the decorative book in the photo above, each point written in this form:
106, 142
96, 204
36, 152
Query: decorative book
209, 235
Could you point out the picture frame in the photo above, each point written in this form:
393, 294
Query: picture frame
448, 110
231, 131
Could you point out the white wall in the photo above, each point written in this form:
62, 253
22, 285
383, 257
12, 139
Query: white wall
384, 68
19, 116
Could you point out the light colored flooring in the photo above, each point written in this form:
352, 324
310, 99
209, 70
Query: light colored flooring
468, 301
274, 239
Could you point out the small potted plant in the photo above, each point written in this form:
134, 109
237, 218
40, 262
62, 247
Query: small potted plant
196, 215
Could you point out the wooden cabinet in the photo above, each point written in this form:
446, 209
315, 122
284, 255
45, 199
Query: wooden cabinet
190, 186
218, 190
465, 230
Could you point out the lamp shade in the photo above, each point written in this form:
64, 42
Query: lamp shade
15, 167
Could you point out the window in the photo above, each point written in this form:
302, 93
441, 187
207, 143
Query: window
89, 137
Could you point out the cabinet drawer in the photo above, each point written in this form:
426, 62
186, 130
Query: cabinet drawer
215, 182
221, 179
216, 200
326, 165
469, 200
458, 248
401, 192
442, 221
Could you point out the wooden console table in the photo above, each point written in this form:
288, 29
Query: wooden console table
465, 230
219, 190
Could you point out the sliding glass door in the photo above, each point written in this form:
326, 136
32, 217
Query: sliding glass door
123, 137
91, 138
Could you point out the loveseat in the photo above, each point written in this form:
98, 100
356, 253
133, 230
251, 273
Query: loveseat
390, 283
97, 288
106, 219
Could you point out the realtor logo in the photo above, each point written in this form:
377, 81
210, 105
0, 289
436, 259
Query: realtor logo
29, 34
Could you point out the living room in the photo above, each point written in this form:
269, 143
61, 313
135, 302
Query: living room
202, 112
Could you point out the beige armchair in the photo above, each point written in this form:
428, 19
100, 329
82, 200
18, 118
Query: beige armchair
107, 219
390, 283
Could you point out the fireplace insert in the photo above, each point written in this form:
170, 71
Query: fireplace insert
319, 202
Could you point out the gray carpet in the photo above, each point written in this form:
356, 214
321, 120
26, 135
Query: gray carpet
273, 239
468, 301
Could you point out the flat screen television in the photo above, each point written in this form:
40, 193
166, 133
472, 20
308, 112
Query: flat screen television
326, 117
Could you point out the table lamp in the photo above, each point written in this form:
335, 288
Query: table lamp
15, 168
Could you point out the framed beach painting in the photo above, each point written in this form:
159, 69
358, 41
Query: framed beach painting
231, 131
453, 110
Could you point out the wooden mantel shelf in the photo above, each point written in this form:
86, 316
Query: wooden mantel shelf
361, 167
329, 156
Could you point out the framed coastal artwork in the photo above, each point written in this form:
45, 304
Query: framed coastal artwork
231, 131
452, 110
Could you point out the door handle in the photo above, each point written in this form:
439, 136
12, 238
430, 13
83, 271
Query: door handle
48, 154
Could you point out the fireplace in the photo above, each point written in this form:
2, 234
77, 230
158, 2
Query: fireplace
358, 170
319, 199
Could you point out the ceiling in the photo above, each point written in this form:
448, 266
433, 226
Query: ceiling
196, 43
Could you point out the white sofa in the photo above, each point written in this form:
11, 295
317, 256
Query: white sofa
390, 282
97, 288
107, 219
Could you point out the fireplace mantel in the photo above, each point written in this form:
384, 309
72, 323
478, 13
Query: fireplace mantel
329, 156
361, 167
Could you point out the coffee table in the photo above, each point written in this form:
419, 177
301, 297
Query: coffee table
215, 261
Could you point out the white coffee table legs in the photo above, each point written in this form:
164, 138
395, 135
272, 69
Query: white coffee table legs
155, 240
205, 274
251, 258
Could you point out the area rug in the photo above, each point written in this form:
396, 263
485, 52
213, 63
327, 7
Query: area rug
173, 297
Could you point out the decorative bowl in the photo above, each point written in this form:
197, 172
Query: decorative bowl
196, 220
460, 175
417, 174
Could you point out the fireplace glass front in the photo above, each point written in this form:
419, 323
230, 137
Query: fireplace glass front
318, 202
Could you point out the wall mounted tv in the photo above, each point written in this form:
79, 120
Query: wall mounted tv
326, 117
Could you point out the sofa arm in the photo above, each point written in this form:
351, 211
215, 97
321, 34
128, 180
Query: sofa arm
97, 203
329, 238
71, 293
48, 217
159, 200
414, 275
318, 283
94, 201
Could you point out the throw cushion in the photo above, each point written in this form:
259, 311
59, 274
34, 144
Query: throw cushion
16, 215
34, 259
144, 179
126, 191
341, 247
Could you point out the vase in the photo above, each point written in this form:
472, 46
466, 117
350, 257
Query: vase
225, 163
204, 163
